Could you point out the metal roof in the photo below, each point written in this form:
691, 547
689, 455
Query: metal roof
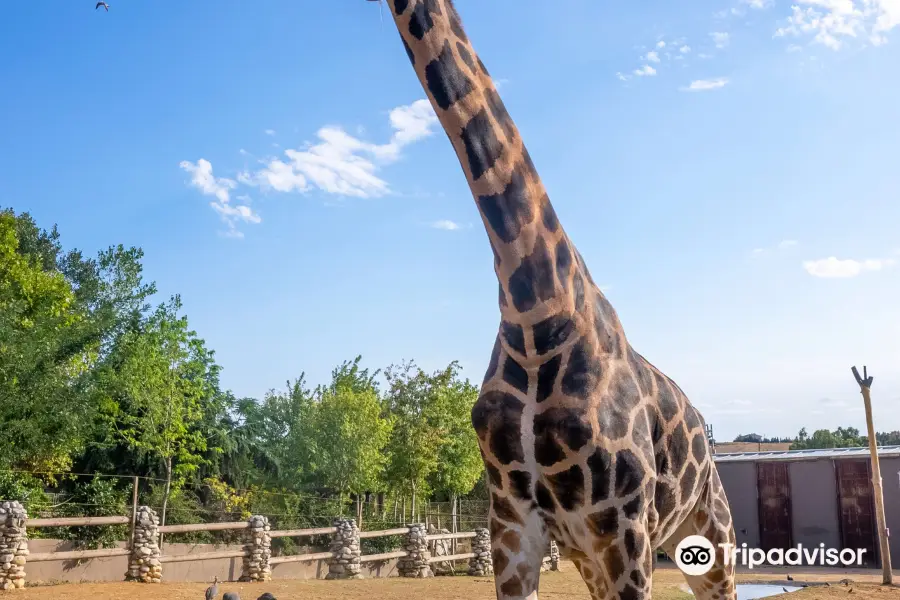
883, 452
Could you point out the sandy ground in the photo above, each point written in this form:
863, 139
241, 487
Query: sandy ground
563, 585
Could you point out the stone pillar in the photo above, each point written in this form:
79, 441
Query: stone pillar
415, 563
554, 556
345, 551
13, 546
258, 546
144, 564
482, 565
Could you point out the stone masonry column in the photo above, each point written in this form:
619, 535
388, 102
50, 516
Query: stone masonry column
345, 551
415, 563
482, 565
554, 556
13, 546
258, 546
144, 564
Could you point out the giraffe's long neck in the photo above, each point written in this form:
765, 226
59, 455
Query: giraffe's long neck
535, 262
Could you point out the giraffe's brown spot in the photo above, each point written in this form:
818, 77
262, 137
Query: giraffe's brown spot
604, 524
552, 332
605, 324
501, 115
508, 212
529, 164
629, 593
723, 515
642, 373
665, 398
634, 545
445, 80
555, 426
633, 507
654, 422
638, 578
623, 392
502, 297
586, 572
494, 475
497, 529
498, 416
512, 586
563, 261
515, 374
664, 500
499, 559
523, 571
483, 148
698, 447
691, 417
687, 480
455, 21
568, 487
716, 575
678, 447
548, 214
614, 563
547, 377
514, 336
495, 356
511, 540
578, 291
466, 56
544, 498
504, 510
520, 484
600, 465
533, 278
400, 6
421, 22
583, 372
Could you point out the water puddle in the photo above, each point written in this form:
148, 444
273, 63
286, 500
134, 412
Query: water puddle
752, 591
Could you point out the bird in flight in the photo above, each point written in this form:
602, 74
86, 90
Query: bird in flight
103, 4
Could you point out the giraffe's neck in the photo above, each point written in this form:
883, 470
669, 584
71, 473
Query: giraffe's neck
534, 259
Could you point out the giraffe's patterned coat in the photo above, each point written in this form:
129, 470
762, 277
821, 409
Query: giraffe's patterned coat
583, 440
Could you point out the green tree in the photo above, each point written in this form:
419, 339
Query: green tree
160, 380
459, 464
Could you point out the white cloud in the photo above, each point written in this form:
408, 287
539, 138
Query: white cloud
830, 22
703, 85
758, 4
343, 164
661, 44
622, 77
446, 225
684, 49
270, 132
646, 70
652, 57
720, 38
203, 179
834, 268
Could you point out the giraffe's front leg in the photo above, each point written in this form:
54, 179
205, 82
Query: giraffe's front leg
518, 541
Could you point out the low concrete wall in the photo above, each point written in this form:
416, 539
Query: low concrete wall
227, 569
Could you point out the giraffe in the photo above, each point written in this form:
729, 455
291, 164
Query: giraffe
583, 440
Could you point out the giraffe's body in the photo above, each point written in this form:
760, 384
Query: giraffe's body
583, 440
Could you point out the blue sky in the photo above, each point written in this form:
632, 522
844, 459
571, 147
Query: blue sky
727, 170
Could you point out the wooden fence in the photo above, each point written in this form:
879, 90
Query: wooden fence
343, 558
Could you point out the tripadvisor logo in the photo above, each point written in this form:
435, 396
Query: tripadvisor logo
695, 555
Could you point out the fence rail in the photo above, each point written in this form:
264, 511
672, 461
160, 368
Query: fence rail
344, 557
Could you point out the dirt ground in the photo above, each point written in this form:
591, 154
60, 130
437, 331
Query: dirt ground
563, 585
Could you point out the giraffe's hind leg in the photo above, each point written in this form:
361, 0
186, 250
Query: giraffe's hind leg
710, 518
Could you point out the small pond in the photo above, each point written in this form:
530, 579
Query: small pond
750, 591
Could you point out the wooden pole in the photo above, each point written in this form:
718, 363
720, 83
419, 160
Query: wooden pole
134, 501
865, 387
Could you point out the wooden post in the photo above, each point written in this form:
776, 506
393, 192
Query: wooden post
865, 386
134, 501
